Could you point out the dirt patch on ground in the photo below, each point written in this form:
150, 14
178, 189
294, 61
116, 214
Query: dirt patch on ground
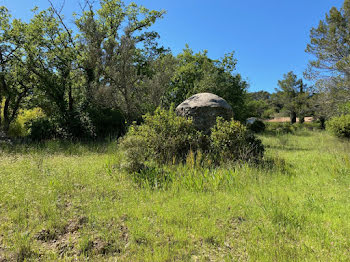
70, 242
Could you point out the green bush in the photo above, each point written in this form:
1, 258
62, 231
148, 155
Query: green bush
162, 138
19, 128
339, 126
231, 141
41, 129
165, 138
107, 122
257, 126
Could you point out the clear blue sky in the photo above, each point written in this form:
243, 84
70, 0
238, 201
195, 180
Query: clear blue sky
269, 37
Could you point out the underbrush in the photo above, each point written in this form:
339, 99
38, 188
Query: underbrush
165, 138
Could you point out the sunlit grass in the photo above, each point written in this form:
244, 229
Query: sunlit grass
64, 201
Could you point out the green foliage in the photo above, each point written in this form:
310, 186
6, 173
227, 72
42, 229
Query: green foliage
276, 128
162, 138
197, 73
116, 44
165, 138
294, 96
231, 141
20, 128
16, 80
329, 46
279, 128
107, 122
329, 43
257, 126
41, 129
339, 126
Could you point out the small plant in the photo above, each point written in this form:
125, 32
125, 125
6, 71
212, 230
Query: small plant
339, 126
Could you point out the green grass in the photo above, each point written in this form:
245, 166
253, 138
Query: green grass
72, 202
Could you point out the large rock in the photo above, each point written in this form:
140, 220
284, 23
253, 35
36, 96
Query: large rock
204, 108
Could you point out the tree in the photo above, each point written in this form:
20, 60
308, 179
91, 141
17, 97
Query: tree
15, 80
105, 64
116, 53
293, 94
52, 59
197, 73
260, 104
329, 43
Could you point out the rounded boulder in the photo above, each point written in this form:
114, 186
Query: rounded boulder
204, 108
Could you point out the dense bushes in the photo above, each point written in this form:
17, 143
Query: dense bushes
165, 137
339, 126
20, 127
107, 122
257, 126
41, 129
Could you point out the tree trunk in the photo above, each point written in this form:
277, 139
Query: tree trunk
0, 112
6, 125
322, 121
293, 117
301, 119
70, 99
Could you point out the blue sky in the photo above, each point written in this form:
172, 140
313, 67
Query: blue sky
269, 37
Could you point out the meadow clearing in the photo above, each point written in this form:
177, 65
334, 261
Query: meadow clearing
66, 202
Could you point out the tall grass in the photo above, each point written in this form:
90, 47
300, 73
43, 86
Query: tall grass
63, 201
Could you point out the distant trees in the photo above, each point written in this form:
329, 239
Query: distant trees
294, 95
260, 105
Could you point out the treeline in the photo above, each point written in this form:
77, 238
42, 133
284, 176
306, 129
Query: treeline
329, 97
104, 72
293, 98
94, 77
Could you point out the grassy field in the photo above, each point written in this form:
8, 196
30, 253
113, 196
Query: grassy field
72, 202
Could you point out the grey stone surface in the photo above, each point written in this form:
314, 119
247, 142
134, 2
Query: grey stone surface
204, 108
251, 120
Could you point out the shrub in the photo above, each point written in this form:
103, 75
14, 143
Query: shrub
163, 137
107, 122
19, 128
231, 141
339, 126
257, 126
166, 138
41, 129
